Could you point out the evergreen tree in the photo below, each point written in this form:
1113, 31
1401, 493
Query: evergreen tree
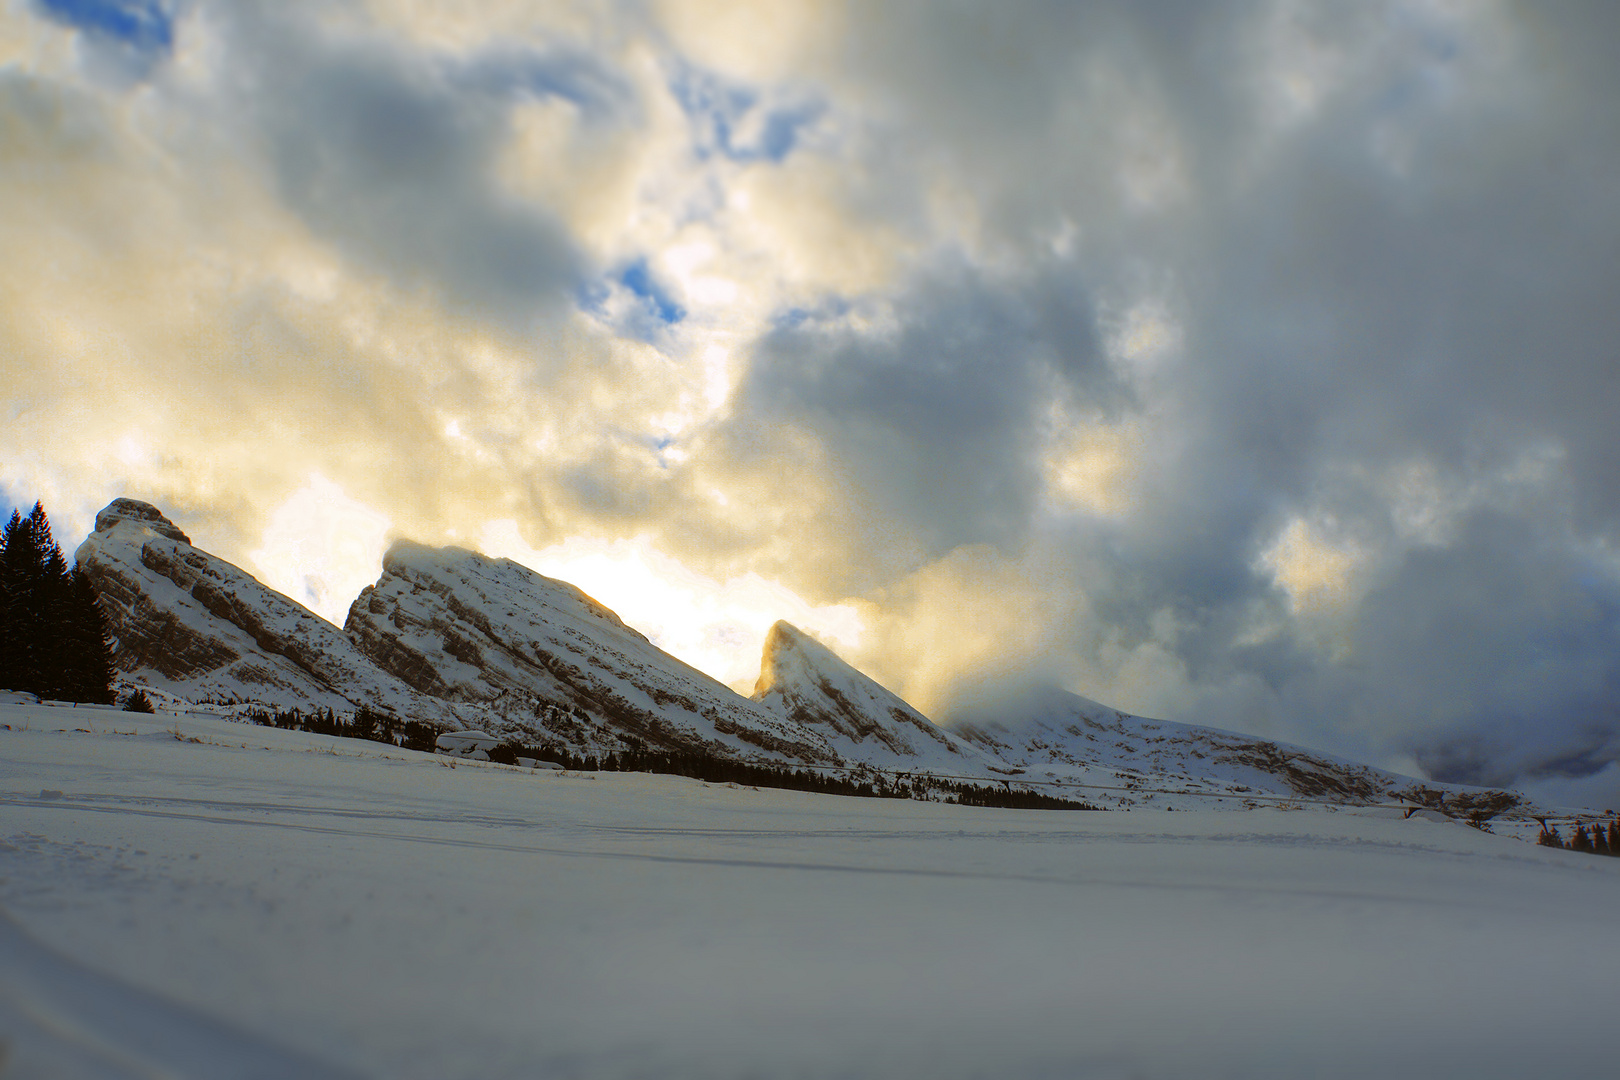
8, 607
23, 570
1579, 840
88, 648
57, 662
53, 638
1614, 837
40, 525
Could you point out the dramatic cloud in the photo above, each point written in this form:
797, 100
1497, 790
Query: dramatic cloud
1249, 363
931, 408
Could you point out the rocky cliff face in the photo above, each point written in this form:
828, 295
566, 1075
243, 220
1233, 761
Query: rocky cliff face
807, 683
195, 626
473, 629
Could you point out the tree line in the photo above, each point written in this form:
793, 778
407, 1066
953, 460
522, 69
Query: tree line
861, 783
1596, 840
367, 723
376, 726
53, 636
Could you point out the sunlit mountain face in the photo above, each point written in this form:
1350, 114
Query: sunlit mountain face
1246, 365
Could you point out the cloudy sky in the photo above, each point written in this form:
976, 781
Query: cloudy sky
1250, 363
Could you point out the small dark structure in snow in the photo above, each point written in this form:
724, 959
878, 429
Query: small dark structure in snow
468, 744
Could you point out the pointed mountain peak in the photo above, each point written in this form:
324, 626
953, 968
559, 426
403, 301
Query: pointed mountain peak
782, 630
411, 560
493, 633
199, 628
790, 651
142, 514
805, 681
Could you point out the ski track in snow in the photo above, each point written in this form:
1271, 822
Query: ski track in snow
65, 1019
100, 804
191, 897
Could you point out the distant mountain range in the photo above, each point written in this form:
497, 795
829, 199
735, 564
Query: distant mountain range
456, 639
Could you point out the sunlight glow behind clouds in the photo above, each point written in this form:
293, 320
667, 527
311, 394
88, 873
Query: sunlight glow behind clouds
321, 548
1315, 573
1096, 469
718, 627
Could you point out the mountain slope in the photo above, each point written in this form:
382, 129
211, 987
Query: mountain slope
538, 651
195, 626
803, 681
454, 639
1055, 735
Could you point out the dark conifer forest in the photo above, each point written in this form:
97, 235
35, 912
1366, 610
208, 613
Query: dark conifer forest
53, 637
1596, 840
377, 726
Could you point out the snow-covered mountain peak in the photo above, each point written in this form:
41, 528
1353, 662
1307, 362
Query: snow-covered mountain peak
140, 513
804, 681
193, 626
407, 558
790, 651
469, 628
452, 637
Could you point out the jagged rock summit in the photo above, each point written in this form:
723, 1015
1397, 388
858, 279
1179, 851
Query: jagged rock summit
804, 681
194, 626
534, 650
144, 514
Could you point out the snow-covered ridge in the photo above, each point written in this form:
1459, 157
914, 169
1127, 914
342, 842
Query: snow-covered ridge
468, 628
1051, 734
458, 639
804, 681
196, 627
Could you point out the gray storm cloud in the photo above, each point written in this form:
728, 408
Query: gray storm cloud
391, 152
934, 418
1499, 653
1393, 256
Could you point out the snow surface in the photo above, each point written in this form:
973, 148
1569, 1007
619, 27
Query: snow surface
465, 742
195, 898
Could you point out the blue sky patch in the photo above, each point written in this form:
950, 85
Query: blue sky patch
736, 121
830, 308
659, 444
633, 301
780, 133
145, 25
637, 277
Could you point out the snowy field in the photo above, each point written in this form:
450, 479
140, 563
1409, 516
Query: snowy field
190, 897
